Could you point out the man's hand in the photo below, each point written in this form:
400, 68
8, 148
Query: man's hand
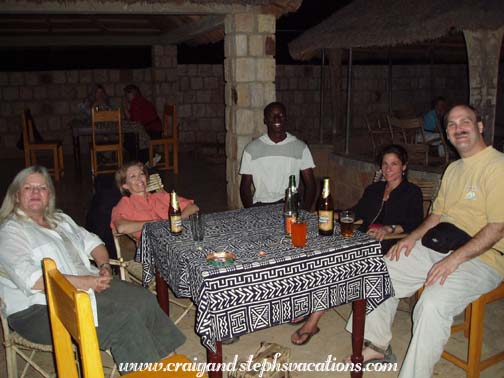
407, 243
442, 269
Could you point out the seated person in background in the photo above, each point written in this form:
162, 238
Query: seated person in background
137, 206
138, 109
386, 207
97, 98
129, 321
433, 119
269, 160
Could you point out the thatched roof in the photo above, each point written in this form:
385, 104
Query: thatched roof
375, 23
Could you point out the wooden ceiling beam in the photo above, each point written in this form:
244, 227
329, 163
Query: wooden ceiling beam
118, 7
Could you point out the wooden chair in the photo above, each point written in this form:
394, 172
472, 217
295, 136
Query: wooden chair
16, 345
106, 118
169, 138
473, 326
379, 131
32, 147
406, 131
72, 319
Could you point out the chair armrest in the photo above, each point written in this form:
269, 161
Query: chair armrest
395, 236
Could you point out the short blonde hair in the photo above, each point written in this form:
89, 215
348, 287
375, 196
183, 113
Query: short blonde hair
120, 175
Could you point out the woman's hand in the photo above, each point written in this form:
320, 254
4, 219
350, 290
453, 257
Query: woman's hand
100, 283
379, 232
189, 210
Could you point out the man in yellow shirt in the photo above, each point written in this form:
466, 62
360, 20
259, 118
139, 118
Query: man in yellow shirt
471, 197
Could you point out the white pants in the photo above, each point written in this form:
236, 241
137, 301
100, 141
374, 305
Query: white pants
433, 314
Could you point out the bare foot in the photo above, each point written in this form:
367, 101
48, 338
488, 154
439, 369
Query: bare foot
367, 355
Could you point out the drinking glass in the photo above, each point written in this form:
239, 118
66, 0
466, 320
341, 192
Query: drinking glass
346, 219
197, 226
299, 234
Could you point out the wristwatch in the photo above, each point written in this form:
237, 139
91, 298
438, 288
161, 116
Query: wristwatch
393, 227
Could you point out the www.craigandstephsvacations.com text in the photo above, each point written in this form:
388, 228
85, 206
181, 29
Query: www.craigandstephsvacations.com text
330, 364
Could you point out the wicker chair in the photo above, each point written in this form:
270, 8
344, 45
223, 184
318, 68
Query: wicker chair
16, 345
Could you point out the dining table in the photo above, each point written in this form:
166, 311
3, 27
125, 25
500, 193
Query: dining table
269, 282
81, 127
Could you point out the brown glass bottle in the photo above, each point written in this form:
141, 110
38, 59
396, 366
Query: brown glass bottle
326, 210
175, 214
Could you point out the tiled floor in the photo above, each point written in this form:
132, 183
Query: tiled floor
205, 182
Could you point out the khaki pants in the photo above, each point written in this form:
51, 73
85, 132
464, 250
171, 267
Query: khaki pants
433, 314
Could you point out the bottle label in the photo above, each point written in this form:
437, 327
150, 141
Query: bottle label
176, 224
326, 220
289, 219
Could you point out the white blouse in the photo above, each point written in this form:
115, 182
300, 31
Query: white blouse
23, 245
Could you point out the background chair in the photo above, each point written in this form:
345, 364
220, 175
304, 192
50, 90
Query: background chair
410, 133
111, 120
472, 326
16, 345
379, 130
169, 138
32, 147
72, 319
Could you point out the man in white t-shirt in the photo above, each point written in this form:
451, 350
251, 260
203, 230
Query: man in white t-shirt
269, 160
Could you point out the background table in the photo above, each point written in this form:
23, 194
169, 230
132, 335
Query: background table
257, 291
82, 127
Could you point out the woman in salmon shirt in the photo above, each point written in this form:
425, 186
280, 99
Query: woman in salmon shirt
137, 206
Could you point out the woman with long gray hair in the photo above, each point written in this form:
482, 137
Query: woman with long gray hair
129, 321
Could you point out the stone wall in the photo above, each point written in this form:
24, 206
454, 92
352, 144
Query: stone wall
198, 90
413, 88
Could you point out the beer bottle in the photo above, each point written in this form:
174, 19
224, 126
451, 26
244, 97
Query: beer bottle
175, 214
326, 210
293, 187
290, 211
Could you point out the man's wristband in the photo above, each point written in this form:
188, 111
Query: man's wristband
105, 265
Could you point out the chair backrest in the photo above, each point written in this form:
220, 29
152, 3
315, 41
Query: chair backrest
170, 122
71, 318
429, 192
106, 118
408, 129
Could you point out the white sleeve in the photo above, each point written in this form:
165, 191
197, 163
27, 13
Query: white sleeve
246, 164
17, 261
306, 160
90, 240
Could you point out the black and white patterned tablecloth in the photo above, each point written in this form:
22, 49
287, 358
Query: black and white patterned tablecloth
270, 282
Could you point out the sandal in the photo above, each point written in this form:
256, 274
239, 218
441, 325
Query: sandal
388, 356
309, 334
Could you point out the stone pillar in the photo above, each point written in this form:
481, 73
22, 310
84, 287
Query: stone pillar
249, 72
164, 76
483, 51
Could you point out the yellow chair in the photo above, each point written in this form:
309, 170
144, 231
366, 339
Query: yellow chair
111, 121
169, 138
72, 319
32, 147
473, 331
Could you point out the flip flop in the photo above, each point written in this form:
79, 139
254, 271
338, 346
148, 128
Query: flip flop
309, 334
299, 320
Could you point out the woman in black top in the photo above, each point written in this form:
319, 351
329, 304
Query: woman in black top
387, 207
392, 206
